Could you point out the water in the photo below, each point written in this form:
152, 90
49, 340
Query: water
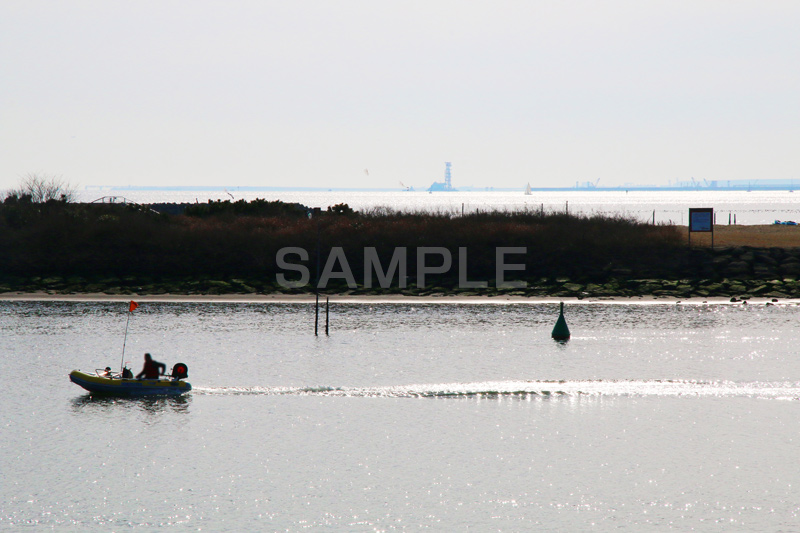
756, 207
409, 416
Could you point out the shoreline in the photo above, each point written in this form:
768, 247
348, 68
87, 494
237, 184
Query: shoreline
386, 299
755, 263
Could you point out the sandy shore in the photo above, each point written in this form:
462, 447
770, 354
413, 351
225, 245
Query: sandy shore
285, 298
370, 299
766, 236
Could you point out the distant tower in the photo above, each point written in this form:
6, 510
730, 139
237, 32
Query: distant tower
447, 185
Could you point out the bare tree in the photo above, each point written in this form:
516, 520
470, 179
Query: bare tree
39, 188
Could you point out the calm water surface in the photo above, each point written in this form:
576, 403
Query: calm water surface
409, 416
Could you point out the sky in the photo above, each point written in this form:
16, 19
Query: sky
366, 94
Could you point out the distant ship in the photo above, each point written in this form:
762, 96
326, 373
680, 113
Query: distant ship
528, 189
438, 186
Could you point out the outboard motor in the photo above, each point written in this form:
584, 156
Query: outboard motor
180, 371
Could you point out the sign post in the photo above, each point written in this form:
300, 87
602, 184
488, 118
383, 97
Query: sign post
701, 220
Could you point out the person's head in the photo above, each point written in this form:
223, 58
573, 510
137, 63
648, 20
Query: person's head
108, 369
147, 357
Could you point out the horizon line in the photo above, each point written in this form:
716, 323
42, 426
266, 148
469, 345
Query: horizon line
255, 188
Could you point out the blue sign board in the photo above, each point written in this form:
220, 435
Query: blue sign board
701, 219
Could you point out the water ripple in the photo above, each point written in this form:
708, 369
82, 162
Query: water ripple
494, 389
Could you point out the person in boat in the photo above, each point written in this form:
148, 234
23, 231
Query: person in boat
152, 369
107, 372
126, 373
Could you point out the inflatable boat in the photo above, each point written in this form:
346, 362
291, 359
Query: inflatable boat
112, 383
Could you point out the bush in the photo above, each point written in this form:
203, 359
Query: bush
223, 240
257, 207
40, 189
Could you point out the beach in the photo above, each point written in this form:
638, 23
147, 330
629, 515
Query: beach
756, 236
340, 299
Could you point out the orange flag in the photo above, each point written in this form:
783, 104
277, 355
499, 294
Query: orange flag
133, 306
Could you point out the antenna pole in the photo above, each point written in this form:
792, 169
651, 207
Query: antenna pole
124, 342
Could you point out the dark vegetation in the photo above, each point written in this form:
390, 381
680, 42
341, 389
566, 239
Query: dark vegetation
225, 246
49, 244
38, 189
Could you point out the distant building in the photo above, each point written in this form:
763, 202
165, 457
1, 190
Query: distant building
447, 185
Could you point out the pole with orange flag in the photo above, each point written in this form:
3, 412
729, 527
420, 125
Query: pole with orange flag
133, 305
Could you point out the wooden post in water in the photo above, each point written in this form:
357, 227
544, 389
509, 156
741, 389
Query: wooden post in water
327, 314
316, 316
316, 281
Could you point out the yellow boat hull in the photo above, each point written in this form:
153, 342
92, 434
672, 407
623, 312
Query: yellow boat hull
128, 387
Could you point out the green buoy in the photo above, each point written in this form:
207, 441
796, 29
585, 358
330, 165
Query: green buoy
561, 330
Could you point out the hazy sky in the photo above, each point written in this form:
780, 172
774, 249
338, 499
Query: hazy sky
312, 93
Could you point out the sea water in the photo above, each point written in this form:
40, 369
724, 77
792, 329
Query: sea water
439, 416
740, 207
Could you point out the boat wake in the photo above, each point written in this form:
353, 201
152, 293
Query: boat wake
537, 389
